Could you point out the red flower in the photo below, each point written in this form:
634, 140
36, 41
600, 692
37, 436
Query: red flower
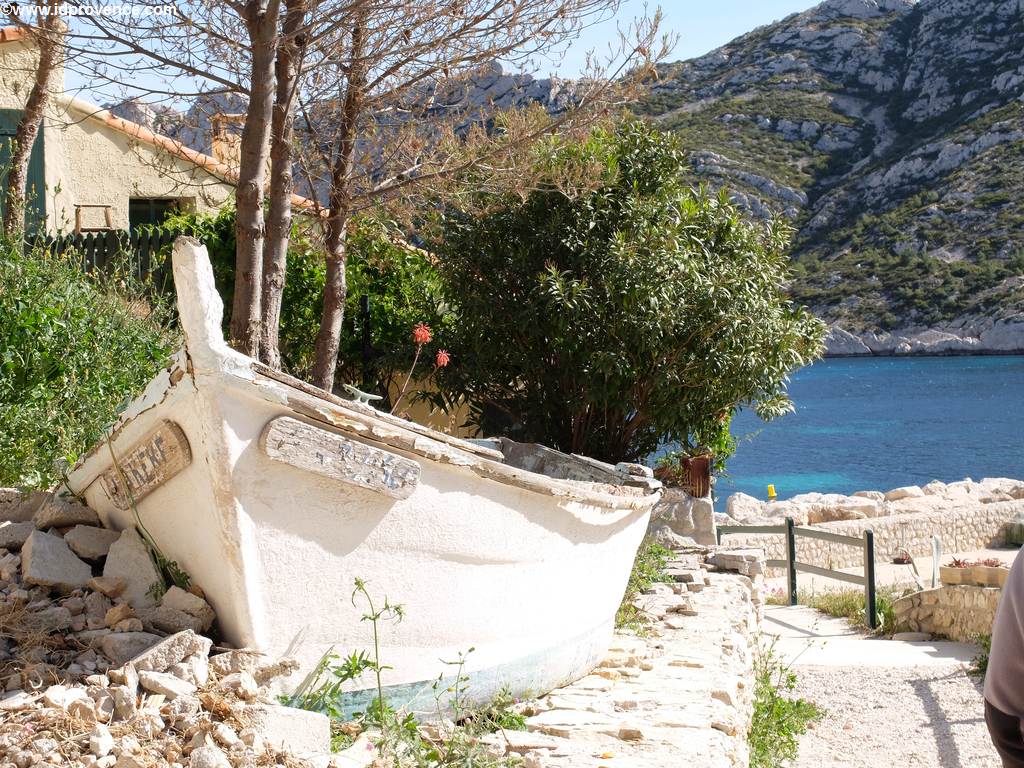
421, 333
443, 358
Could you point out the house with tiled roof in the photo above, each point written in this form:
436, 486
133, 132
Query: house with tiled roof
91, 170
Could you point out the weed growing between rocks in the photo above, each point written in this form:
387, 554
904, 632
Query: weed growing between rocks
397, 736
779, 718
648, 569
979, 664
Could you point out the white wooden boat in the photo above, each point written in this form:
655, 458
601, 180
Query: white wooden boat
275, 496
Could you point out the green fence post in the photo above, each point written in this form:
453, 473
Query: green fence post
791, 559
869, 579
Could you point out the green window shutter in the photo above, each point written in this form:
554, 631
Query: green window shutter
35, 213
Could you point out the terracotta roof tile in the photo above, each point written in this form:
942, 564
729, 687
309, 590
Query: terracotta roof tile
12, 34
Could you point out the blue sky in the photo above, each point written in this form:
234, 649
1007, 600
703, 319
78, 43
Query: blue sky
702, 25
699, 25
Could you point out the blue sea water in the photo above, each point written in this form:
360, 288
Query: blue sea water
878, 423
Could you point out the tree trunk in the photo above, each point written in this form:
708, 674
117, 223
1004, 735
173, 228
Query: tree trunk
49, 37
261, 22
328, 339
290, 54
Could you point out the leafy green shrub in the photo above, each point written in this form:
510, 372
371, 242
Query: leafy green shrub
779, 719
73, 348
613, 321
648, 569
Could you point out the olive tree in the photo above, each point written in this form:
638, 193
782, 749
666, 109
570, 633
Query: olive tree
613, 318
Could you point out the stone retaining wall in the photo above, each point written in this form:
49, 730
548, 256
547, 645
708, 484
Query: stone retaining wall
974, 527
685, 515
681, 695
958, 612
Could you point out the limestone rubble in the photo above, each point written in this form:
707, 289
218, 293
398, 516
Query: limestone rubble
97, 671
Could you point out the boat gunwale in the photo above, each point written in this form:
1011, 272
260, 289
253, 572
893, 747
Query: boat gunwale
425, 443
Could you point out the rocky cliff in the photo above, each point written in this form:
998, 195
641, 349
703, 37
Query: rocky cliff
891, 133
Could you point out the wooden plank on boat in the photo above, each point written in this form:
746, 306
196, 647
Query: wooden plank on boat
329, 454
150, 463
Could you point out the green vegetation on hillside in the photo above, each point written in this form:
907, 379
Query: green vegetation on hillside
873, 288
755, 149
921, 220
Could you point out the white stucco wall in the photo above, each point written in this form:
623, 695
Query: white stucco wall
17, 69
104, 166
89, 162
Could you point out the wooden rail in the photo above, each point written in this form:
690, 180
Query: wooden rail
792, 565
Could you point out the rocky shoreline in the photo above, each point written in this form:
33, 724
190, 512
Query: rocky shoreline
1001, 337
817, 508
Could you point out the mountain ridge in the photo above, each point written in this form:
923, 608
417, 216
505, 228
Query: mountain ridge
891, 134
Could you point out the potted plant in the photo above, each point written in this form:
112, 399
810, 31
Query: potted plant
701, 456
990, 572
689, 471
957, 572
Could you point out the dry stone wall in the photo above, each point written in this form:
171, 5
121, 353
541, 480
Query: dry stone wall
959, 612
961, 530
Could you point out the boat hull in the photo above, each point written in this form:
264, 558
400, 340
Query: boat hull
525, 570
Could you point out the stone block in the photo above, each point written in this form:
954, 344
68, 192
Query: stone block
14, 535
171, 650
208, 757
744, 561
297, 731
47, 561
121, 647
744, 508
111, 586
161, 682
90, 542
168, 619
58, 512
17, 506
873, 495
52, 619
178, 599
685, 515
905, 492
129, 559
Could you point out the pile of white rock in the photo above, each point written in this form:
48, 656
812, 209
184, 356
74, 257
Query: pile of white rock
814, 508
96, 672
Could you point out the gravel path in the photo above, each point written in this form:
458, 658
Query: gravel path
888, 704
930, 717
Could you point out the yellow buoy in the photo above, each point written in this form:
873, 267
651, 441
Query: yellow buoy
771, 492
